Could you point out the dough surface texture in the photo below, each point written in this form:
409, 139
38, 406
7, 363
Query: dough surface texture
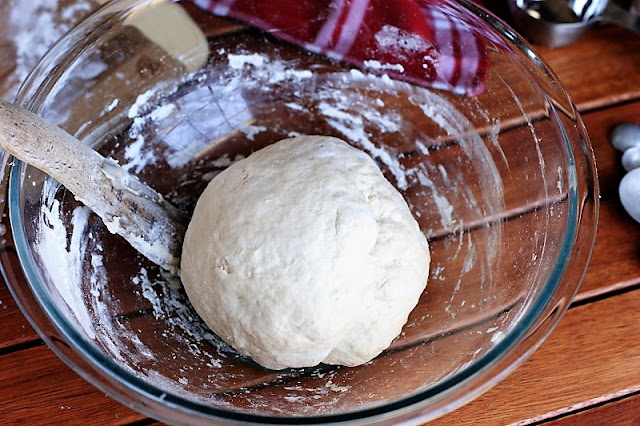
304, 253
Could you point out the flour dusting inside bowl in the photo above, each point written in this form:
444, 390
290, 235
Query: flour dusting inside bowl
169, 131
494, 180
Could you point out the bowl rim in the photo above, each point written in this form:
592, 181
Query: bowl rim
91, 355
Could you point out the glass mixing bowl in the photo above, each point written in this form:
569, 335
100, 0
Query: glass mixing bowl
502, 182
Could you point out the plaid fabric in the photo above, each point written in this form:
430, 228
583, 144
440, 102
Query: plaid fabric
414, 40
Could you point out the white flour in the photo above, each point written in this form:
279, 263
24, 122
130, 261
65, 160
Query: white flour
239, 61
391, 38
61, 262
349, 103
33, 27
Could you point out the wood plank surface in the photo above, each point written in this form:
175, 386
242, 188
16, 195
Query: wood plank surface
588, 356
615, 266
19, 332
600, 69
597, 338
615, 260
623, 411
39, 389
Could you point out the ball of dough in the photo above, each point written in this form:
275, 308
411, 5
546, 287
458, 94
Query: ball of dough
304, 253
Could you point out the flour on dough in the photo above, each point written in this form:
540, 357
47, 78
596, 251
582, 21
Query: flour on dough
304, 253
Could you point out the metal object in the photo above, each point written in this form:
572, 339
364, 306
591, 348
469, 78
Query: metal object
556, 23
626, 138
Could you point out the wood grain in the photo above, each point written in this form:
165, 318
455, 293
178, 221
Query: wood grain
624, 411
601, 69
596, 339
599, 125
39, 389
615, 265
615, 259
615, 262
589, 355
17, 330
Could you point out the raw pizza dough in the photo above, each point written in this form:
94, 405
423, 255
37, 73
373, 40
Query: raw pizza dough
304, 253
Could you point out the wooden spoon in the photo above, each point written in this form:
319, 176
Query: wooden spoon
127, 206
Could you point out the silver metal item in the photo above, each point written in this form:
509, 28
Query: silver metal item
556, 23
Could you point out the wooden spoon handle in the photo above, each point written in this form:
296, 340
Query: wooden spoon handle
127, 206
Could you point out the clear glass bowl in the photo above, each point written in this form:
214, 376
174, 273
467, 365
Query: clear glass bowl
503, 184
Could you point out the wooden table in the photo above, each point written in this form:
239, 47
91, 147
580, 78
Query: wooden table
587, 372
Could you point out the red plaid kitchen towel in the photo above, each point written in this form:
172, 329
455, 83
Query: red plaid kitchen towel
415, 40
